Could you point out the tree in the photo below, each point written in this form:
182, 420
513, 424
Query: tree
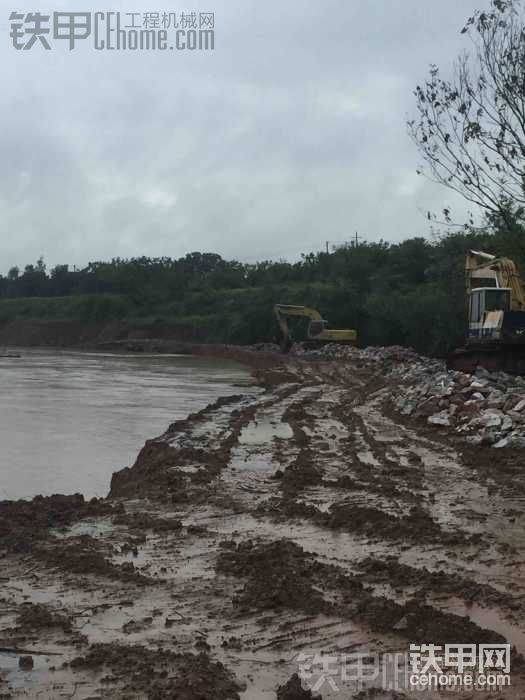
470, 130
13, 274
61, 282
34, 280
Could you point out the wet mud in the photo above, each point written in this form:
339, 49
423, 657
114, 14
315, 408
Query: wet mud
301, 517
159, 674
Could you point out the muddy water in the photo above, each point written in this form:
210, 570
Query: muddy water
68, 420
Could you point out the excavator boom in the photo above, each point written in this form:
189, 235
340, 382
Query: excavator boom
483, 266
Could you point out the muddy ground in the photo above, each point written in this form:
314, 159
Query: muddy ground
302, 517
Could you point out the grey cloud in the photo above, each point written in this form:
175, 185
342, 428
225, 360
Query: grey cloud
290, 133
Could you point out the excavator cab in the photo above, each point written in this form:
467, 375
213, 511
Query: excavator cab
486, 308
495, 310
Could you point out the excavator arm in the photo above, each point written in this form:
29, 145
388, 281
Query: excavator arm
317, 330
283, 311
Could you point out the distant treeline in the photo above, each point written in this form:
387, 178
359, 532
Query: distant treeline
411, 293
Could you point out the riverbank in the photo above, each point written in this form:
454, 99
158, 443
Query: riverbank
122, 337
306, 517
60, 333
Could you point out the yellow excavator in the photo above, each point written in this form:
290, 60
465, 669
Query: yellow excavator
317, 332
495, 310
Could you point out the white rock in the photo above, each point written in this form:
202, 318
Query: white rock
487, 420
441, 418
506, 424
478, 385
519, 406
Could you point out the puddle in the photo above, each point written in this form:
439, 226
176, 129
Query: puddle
265, 428
40, 674
254, 450
489, 618
93, 528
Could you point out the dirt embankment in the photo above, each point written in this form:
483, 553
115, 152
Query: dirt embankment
299, 519
77, 334
123, 337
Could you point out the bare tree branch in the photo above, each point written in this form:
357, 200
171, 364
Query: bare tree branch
470, 131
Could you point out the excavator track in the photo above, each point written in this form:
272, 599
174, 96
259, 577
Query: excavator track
493, 357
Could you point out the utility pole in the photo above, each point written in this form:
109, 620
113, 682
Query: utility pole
355, 242
327, 250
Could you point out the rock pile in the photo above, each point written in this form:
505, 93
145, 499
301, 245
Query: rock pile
486, 407
386, 355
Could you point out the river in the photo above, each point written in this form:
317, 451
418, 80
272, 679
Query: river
68, 420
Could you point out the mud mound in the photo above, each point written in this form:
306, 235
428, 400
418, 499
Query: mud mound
423, 622
161, 674
159, 470
85, 555
293, 690
22, 523
363, 480
38, 616
400, 576
198, 677
279, 575
154, 472
146, 521
302, 472
502, 468
416, 526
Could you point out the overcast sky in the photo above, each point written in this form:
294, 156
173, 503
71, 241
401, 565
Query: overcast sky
290, 133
